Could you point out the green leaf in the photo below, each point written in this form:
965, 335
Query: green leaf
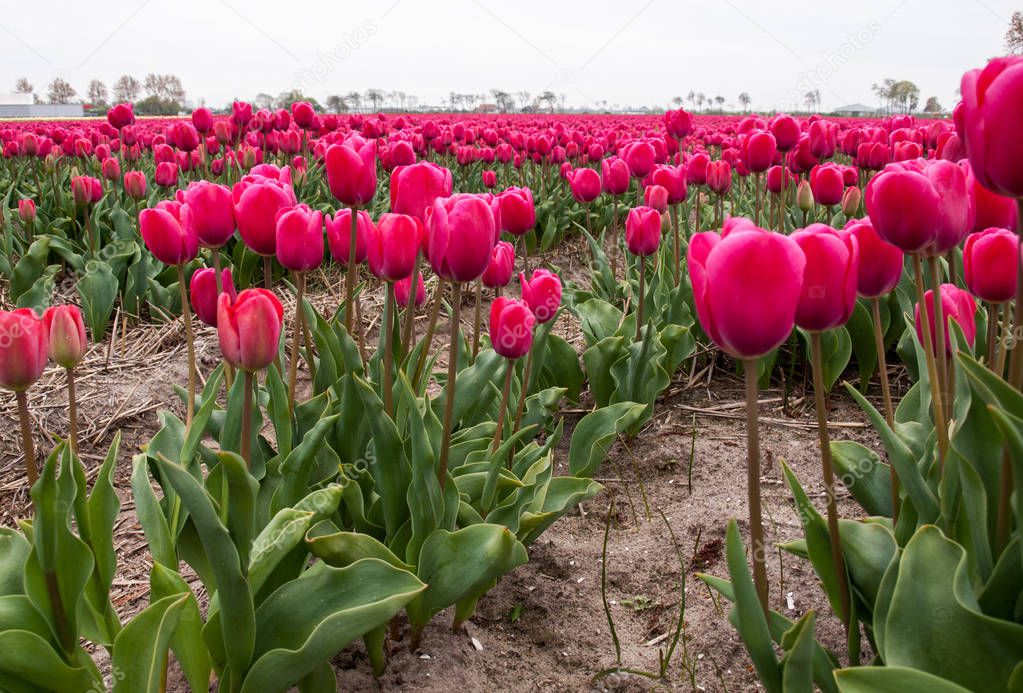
29, 659
186, 643
341, 549
797, 664
97, 289
14, 551
309, 620
150, 514
893, 679
595, 433
141, 646
862, 472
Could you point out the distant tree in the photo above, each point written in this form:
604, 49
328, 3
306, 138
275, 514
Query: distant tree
355, 99
720, 101
286, 98
375, 97
549, 98
23, 86
700, 99
126, 88
745, 100
676, 101
164, 87
97, 93
933, 105
154, 105
897, 95
503, 100
60, 91
336, 104
691, 96
263, 100
524, 98
1014, 35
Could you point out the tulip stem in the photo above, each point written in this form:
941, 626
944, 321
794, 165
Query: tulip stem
612, 246
431, 325
228, 368
639, 298
886, 394
1003, 350
522, 395
449, 386
756, 522
410, 311
387, 329
937, 404
940, 327
26, 438
350, 277
509, 370
992, 310
268, 273
246, 442
186, 314
72, 409
1016, 364
476, 320
676, 243
820, 400
296, 331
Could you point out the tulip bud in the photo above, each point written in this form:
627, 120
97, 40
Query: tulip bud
208, 212
67, 343
502, 263
202, 292
461, 232
166, 174
957, 306
827, 184
643, 231
804, 196
351, 171
542, 293
165, 238
489, 179
585, 185
110, 169
24, 348
415, 187
518, 214
988, 122
991, 264
86, 190
511, 327
27, 210
614, 175
656, 197
257, 200
394, 246
828, 295
851, 199
403, 289
135, 184
880, 265
299, 241
249, 328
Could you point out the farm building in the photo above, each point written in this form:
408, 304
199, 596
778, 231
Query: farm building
24, 106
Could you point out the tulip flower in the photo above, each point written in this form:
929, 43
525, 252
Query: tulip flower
166, 174
518, 214
643, 231
27, 211
202, 119
759, 151
827, 184
394, 246
403, 291
991, 264
956, 305
208, 212
121, 115
86, 190
502, 262
461, 234
542, 293
746, 287
67, 346
988, 123
110, 169
338, 235
24, 351
204, 292
640, 157
511, 334
351, 171
135, 184
851, 199
656, 197
804, 197
829, 279
585, 185
414, 188
988, 209
249, 331
614, 176
678, 123
257, 201
489, 179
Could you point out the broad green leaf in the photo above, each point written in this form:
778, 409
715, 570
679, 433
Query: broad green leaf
893, 679
141, 646
862, 472
97, 289
797, 664
186, 643
27, 658
595, 433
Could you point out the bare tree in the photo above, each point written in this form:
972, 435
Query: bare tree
375, 98
60, 91
1014, 35
933, 105
524, 98
126, 88
745, 100
97, 93
336, 104
23, 86
354, 98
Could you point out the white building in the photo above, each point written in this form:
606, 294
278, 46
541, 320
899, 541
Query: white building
24, 106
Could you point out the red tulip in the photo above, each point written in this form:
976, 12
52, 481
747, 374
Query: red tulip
165, 238
299, 239
785, 130
746, 286
880, 266
24, 348
673, 180
414, 188
640, 157
121, 115
208, 212
110, 169
86, 190
542, 293
988, 209
502, 264
678, 123
186, 137
759, 151
719, 176
956, 305
989, 124
67, 342
778, 178
394, 247
352, 171
303, 113
166, 174
851, 199
202, 119
27, 210
585, 185
991, 264
461, 233
489, 179
614, 176
339, 233
518, 215
827, 184
511, 327
656, 197
643, 231
403, 289
249, 328
202, 292
135, 184
257, 201
828, 296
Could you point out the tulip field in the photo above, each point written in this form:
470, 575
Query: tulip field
303, 401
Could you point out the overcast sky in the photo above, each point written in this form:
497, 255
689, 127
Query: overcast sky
637, 53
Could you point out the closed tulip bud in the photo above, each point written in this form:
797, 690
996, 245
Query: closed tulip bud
67, 343
202, 119
502, 263
394, 246
991, 264
678, 123
202, 292
461, 233
786, 131
27, 210
135, 185
542, 293
511, 327
989, 124
186, 137
656, 197
640, 157
957, 306
303, 113
352, 171
518, 214
489, 179
121, 115
208, 212
415, 187
920, 205
987, 209
804, 196
643, 231
166, 239
256, 204
719, 176
339, 232
222, 131
827, 184
585, 185
299, 242
110, 169
166, 174
24, 348
759, 151
830, 276
851, 199
249, 328
614, 176
673, 180
880, 265
86, 190
241, 112
746, 286
403, 290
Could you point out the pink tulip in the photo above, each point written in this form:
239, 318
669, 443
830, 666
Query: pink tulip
135, 184
643, 231
110, 169
656, 197
202, 293
678, 123
991, 264
988, 209
828, 296
166, 174
542, 293
640, 157
165, 238
489, 179
249, 328
511, 327
614, 176
27, 210
880, 266
502, 264
67, 343
746, 286
759, 151
394, 247
121, 115
585, 185
86, 190
827, 184
989, 124
208, 212
339, 234
352, 171
257, 201
299, 238
414, 188
202, 119
461, 233
719, 176
403, 290
24, 348
518, 214
673, 180
956, 305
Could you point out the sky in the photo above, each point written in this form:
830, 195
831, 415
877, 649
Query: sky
598, 53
